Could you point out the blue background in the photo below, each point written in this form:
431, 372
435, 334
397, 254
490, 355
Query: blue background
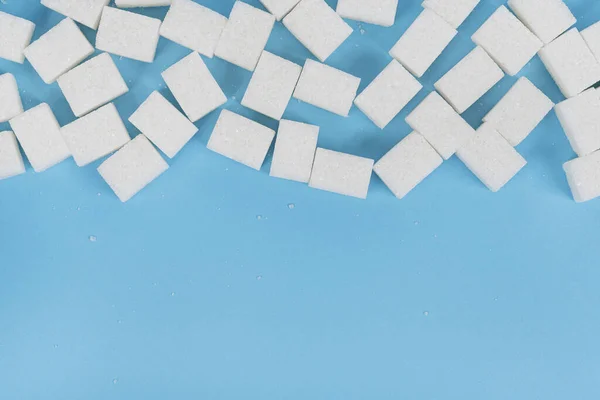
211, 285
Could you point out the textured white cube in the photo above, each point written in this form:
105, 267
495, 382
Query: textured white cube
163, 124
132, 168
507, 41
39, 135
241, 139
591, 35
141, 3
423, 42
326, 87
341, 173
388, 94
10, 100
86, 12
580, 119
15, 35
294, 151
194, 87
491, 158
11, 162
546, 18
245, 35
58, 50
455, 12
378, 12
443, 127
272, 85
519, 111
279, 8
571, 63
583, 176
407, 164
318, 27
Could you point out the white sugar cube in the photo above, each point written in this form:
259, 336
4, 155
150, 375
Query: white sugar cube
546, 18
94, 136
318, 27
163, 124
378, 12
141, 3
15, 35
407, 164
470, 79
341, 173
10, 100
11, 162
455, 12
583, 175
39, 135
591, 35
58, 50
194, 87
326, 87
571, 63
507, 41
443, 127
580, 119
272, 85
423, 42
519, 111
132, 168
193, 26
294, 151
491, 158
245, 35
279, 8
86, 12
388, 94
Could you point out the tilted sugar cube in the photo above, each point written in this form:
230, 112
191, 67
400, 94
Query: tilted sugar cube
132, 168
548, 19
423, 42
86, 12
583, 176
378, 12
341, 173
141, 3
580, 119
407, 164
295, 148
279, 8
11, 162
455, 12
318, 27
10, 100
15, 35
591, 35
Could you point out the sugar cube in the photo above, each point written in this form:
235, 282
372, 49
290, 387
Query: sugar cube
15, 35
86, 12
163, 124
491, 158
295, 148
279, 8
407, 164
548, 19
519, 111
388, 94
58, 50
132, 168
580, 119
423, 42
11, 162
443, 127
318, 27
591, 35
455, 12
245, 35
39, 135
378, 12
194, 87
141, 3
272, 85
341, 173
10, 100
583, 176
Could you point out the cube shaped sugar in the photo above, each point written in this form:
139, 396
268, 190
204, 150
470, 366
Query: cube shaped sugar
326, 87
443, 128
519, 111
15, 35
86, 12
194, 87
295, 148
571, 63
470, 79
58, 50
245, 35
193, 26
279, 8
491, 158
507, 41
272, 85
132, 168
455, 12
341, 173
241, 139
11, 162
163, 124
580, 119
39, 135
318, 27
378, 12
92, 84
548, 19
583, 175
423, 42
94, 136
141, 3
388, 94
10, 100
591, 35
407, 164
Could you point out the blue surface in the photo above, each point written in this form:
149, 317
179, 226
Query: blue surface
207, 285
